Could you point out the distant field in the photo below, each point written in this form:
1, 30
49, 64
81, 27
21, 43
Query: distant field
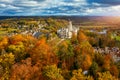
93, 26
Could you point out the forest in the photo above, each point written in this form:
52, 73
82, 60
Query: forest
23, 57
87, 55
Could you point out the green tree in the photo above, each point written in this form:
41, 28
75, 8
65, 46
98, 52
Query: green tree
99, 58
93, 69
65, 53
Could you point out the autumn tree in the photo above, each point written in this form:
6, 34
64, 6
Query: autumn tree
99, 58
94, 68
107, 62
17, 38
86, 62
83, 55
106, 76
51, 72
42, 53
66, 73
114, 71
6, 62
83, 52
81, 36
78, 75
74, 38
18, 50
93, 41
118, 67
65, 54
4, 43
26, 71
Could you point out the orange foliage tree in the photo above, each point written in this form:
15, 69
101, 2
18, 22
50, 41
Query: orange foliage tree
83, 55
17, 38
4, 43
42, 53
107, 62
86, 62
81, 36
25, 71
114, 71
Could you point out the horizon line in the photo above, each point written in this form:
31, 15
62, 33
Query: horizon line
59, 15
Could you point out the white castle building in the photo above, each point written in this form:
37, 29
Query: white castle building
67, 32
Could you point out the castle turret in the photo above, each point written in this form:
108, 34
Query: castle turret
70, 29
70, 26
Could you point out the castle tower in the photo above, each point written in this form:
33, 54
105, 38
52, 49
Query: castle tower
70, 29
70, 26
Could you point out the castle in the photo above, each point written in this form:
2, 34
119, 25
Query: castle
67, 32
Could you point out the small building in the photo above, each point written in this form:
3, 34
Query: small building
37, 34
103, 32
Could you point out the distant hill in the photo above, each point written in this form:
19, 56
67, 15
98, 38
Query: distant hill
77, 20
94, 20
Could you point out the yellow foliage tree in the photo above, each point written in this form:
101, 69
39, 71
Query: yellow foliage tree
52, 73
6, 61
78, 75
106, 76
18, 50
4, 42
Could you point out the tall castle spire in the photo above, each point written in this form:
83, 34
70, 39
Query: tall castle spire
70, 26
70, 29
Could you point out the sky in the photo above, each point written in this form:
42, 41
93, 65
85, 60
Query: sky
60, 7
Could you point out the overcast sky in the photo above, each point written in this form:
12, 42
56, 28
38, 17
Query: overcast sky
59, 7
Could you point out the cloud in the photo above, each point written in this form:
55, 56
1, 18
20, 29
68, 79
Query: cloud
59, 7
3, 5
109, 2
6, 1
